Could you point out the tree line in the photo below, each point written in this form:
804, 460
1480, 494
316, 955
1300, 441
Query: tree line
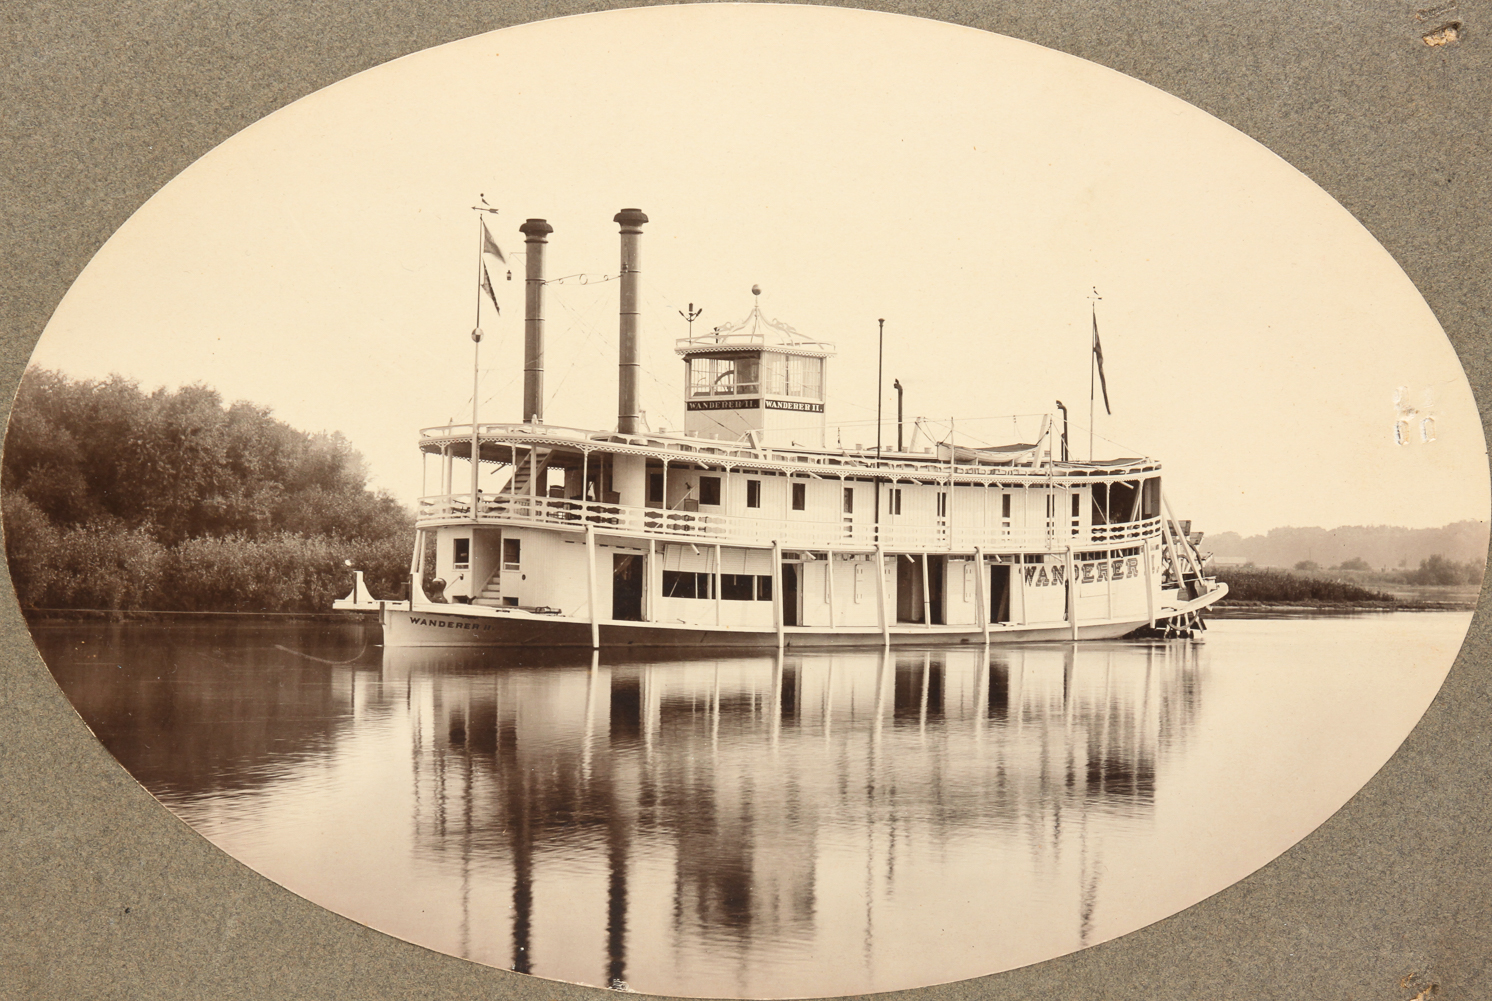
115, 498
1434, 570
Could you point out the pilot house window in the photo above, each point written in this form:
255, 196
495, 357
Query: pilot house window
724, 376
792, 375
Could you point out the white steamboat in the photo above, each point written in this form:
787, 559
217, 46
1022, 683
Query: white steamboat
728, 534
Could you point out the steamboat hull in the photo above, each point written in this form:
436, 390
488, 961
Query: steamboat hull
405, 628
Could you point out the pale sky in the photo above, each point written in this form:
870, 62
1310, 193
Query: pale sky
971, 189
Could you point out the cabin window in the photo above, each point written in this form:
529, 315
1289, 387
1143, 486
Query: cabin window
462, 555
849, 500
709, 490
655, 488
753, 493
893, 500
763, 588
1077, 501
512, 553
942, 504
685, 584
1150, 498
1005, 505
737, 586
800, 496
1123, 500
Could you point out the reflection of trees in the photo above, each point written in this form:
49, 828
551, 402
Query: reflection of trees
741, 773
194, 709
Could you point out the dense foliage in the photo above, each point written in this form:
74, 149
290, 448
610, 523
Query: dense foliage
120, 499
1439, 571
1268, 585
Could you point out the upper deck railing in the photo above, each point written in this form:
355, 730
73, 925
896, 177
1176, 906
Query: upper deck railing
527, 511
508, 442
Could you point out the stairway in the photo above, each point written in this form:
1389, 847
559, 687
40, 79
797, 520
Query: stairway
491, 594
518, 485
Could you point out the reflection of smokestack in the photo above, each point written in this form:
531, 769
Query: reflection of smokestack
533, 319
628, 418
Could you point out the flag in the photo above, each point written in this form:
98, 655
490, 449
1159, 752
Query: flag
1098, 358
487, 287
489, 245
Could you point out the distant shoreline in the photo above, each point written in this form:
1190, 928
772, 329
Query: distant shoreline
1265, 610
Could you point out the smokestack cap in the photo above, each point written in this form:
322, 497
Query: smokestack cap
631, 220
536, 229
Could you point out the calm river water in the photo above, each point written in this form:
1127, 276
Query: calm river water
756, 826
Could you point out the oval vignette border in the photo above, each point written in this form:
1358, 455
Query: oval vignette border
1361, 105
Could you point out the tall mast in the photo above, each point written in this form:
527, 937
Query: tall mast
476, 348
880, 368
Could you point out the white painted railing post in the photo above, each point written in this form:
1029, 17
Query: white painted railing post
777, 611
881, 597
926, 596
1072, 595
1149, 586
590, 569
981, 592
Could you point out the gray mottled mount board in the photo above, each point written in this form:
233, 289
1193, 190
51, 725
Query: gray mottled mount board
107, 895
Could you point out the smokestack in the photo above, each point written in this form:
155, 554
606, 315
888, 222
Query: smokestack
536, 230
628, 418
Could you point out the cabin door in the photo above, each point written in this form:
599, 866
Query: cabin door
999, 593
792, 594
908, 589
937, 575
628, 572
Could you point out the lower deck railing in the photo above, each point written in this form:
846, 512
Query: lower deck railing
792, 533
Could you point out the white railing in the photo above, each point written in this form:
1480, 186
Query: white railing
793, 533
1020, 467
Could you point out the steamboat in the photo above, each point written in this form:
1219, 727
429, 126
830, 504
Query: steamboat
732, 533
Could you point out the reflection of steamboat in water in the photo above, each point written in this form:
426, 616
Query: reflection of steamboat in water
680, 820
733, 533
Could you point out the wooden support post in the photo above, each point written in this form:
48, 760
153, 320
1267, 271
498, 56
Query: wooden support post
981, 592
829, 569
777, 591
926, 596
1072, 596
1149, 586
654, 578
590, 571
881, 597
716, 584
1194, 557
1165, 526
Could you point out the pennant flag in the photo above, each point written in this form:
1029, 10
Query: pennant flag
1098, 357
489, 245
487, 287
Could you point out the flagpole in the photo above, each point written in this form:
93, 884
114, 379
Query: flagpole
1092, 365
476, 372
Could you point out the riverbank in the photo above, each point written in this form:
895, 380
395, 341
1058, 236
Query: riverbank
34, 615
